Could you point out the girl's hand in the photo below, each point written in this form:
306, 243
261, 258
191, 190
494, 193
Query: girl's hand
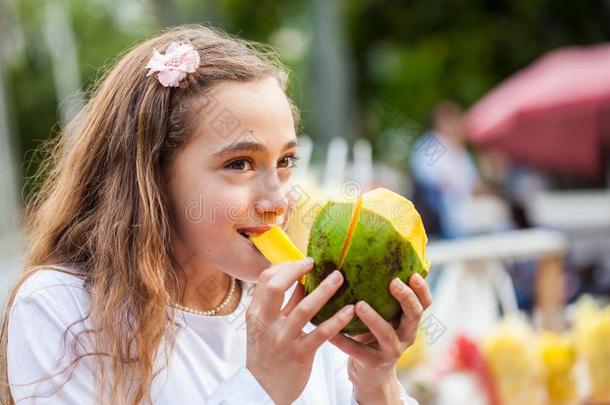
373, 355
279, 354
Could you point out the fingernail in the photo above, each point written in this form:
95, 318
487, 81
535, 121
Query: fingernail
348, 311
416, 280
307, 261
335, 277
364, 307
398, 284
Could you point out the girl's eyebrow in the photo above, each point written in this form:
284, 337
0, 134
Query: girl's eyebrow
250, 146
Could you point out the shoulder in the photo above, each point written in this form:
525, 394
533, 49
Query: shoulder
58, 289
47, 304
418, 152
46, 332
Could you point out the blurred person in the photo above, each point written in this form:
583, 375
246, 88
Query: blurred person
141, 284
445, 175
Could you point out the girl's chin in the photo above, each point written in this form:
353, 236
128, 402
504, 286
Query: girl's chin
250, 270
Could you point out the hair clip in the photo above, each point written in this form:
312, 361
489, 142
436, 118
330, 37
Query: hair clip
173, 66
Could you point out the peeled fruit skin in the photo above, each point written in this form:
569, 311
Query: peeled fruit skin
388, 241
326, 240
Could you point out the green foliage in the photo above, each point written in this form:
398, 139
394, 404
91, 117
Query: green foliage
418, 52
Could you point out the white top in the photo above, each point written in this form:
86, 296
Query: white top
207, 365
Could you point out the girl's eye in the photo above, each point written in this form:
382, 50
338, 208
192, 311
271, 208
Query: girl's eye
240, 165
288, 161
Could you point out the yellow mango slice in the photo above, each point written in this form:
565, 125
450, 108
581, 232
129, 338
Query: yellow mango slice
277, 247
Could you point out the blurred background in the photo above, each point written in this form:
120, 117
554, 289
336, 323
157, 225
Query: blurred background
492, 116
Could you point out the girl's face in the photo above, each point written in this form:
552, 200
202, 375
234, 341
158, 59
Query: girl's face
231, 177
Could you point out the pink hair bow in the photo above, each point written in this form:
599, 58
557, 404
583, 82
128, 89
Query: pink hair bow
173, 66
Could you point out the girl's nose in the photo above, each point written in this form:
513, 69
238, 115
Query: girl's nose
273, 199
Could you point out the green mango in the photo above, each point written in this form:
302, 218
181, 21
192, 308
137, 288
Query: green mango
371, 241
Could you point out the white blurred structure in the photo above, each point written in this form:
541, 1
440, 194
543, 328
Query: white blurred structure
9, 202
474, 285
62, 49
11, 45
362, 168
584, 217
336, 164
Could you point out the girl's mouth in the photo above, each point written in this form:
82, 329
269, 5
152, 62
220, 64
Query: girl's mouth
244, 234
247, 232
246, 237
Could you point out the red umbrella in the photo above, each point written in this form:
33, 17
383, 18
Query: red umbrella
552, 114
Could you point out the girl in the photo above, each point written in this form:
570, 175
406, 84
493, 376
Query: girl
141, 285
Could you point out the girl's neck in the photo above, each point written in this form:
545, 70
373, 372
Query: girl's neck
204, 288
206, 293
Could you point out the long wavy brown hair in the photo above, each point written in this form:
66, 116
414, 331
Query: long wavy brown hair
101, 210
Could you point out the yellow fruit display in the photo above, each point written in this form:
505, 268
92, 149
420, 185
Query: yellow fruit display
558, 356
515, 364
592, 328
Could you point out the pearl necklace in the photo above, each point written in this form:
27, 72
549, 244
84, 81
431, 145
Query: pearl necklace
214, 310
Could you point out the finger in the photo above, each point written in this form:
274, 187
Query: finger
409, 301
349, 346
275, 281
420, 287
327, 329
295, 298
407, 331
412, 310
382, 330
313, 302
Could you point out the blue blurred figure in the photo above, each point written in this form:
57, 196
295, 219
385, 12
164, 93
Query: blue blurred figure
445, 176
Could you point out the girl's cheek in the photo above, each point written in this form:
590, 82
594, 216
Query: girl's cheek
227, 205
